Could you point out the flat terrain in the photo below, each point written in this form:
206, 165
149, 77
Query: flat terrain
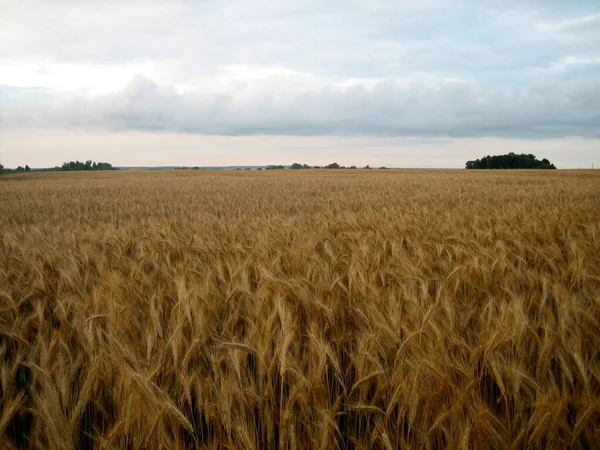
300, 309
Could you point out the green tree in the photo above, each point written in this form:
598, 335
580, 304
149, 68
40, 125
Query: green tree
27, 168
88, 165
509, 161
104, 166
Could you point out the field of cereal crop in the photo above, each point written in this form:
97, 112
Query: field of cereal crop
300, 309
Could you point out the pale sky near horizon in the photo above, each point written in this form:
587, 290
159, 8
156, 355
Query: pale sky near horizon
226, 82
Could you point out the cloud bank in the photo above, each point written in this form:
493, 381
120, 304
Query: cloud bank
389, 107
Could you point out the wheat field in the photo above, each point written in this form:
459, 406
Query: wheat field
300, 309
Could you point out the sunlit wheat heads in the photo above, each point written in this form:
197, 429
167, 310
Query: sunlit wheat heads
300, 309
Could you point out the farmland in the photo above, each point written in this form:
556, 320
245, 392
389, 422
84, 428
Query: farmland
300, 309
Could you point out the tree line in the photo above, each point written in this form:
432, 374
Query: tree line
18, 169
88, 165
67, 166
510, 161
298, 166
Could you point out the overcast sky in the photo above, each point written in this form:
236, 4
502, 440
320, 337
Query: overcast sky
398, 83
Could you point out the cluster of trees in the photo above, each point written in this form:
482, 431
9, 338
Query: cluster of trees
68, 166
88, 165
300, 166
18, 169
333, 165
510, 161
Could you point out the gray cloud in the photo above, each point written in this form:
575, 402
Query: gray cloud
386, 108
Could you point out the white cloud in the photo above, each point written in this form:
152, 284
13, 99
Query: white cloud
571, 23
68, 77
568, 63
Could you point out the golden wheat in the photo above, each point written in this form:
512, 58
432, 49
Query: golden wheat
300, 309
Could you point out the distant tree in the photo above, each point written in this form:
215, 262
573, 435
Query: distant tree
305, 166
352, 167
27, 168
510, 161
20, 169
88, 165
333, 165
367, 167
1, 167
296, 166
317, 167
383, 167
259, 168
104, 166
273, 167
